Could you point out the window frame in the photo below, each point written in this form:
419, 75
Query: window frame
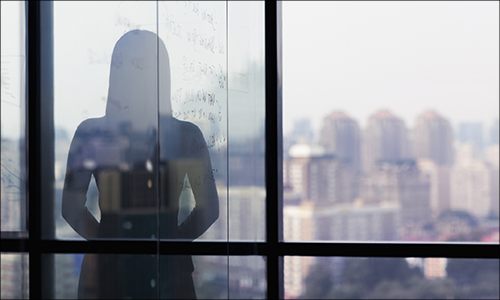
40, 175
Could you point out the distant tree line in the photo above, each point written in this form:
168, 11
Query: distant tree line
393, 278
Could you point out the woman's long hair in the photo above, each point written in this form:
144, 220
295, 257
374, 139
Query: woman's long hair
139, 81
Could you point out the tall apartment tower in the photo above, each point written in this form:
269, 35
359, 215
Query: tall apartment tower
471, 133
318, 177
340, 136
384, 139
433, 149
494, 135
473, 184
402, 183
433, 138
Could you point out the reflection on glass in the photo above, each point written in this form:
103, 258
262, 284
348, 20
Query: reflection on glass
245, 278
134, 164
15, 276
390, 278
13, 201
87, 277
381, 141
140, 153
195, 34
66, 275
239, 277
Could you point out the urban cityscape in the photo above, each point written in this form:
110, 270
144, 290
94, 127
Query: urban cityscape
335, 189
380, 178
387, 182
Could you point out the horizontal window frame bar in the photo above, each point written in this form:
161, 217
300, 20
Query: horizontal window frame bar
392, 249
241, 248
134, 246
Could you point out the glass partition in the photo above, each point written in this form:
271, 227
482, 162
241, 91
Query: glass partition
195, 34
158, 111
246, 145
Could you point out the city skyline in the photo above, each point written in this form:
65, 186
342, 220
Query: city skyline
426, 164
403, 56
488, 132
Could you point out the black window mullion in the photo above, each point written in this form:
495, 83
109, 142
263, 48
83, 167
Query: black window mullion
40, 144
391, 249
33, 144
341, 249
273, 140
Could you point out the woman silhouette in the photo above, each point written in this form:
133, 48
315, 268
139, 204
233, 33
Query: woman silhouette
139, 156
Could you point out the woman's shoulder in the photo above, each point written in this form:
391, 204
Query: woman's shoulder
187, 128
90, 126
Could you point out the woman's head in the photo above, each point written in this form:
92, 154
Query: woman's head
139, 80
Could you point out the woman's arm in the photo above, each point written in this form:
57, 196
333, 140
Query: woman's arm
74, 194
200, 174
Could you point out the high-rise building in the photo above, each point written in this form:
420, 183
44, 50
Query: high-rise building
433, 138
471, 133
339, 222
302, 130
320, 178
15, 278
297, 226
301, 133
494, 133
242, 207
471, 183
435, 267
384, 139
340, 136
493, 160
401, 183
439, 179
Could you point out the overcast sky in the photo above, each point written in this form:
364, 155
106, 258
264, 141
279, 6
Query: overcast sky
404, 56
352, 56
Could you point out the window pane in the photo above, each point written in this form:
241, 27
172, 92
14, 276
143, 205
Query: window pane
105, 136
141, 136
390, 278
15, 276
13, 188
105, 276
173, 144
391, 121
195, 35
246, 278
246, 144
67, 273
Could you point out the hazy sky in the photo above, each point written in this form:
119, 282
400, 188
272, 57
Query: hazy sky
404, 56
354, 56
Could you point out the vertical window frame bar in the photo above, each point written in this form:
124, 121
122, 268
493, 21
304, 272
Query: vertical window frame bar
40, 144
274, 150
